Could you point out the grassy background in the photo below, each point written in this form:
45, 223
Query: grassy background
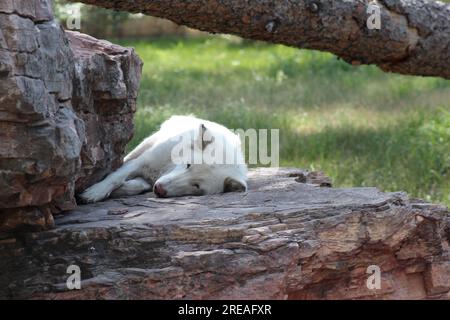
359, 125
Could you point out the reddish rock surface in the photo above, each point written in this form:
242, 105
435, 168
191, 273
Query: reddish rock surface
66, 112
283, 239
104, 96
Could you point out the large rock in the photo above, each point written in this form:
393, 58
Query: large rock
105, 90
66, 108
287, 238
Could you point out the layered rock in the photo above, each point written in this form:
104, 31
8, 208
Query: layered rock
66, 107
104, 96
286, 238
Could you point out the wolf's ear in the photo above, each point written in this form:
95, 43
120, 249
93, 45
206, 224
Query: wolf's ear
204, 137
233, 185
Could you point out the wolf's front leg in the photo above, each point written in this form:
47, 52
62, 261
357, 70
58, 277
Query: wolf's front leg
132, 187
103, 189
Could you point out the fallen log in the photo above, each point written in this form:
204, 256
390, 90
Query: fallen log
412, 36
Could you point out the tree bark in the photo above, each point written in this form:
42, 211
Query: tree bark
414, 37
289, 237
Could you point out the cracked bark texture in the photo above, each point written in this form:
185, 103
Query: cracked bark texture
66, 107
414, 37
287, 238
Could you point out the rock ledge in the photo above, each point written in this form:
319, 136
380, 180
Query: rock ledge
287, 238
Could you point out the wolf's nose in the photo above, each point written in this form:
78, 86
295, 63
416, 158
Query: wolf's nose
159, 190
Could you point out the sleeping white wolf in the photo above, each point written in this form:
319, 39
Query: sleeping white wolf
187, 156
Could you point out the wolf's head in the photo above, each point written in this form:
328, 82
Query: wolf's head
205, 167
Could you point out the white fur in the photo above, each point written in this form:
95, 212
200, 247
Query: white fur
152, 161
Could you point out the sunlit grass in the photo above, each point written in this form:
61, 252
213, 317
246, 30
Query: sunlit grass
361, 126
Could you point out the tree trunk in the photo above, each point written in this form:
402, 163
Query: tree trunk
414, 37
289, 237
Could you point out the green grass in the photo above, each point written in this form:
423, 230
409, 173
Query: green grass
361, 126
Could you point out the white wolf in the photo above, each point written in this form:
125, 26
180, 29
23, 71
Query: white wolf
156, 162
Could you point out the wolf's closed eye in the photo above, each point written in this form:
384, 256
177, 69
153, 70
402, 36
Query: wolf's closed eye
196, 185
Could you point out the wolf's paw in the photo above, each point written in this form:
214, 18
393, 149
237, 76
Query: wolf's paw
95, 193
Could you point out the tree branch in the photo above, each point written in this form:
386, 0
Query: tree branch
414, 37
